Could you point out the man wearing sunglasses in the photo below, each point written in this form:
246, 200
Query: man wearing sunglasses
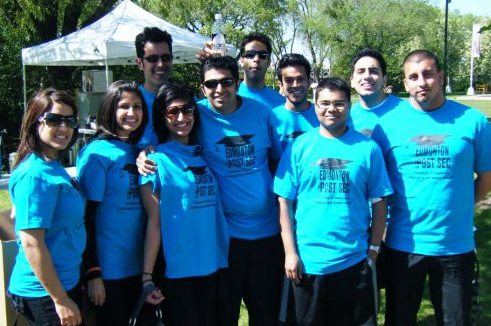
238, 139
154, 58
255, 58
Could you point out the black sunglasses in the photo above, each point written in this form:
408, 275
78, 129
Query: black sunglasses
55, 120
213, 83
173, 112
251, 54
155, 58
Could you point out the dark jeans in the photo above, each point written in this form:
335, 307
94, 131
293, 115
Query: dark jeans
343, 298
41, 311
450, 280
255, 274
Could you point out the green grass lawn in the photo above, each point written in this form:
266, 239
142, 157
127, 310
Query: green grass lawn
5, 202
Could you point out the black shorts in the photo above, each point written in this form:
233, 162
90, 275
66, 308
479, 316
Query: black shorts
343, 298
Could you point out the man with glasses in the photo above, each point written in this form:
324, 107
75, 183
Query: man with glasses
238, 139
154, 58
331, 172
297, 114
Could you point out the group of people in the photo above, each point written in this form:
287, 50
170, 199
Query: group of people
251, 195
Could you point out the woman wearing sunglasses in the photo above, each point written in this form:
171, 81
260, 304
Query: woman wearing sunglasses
184, 213
49, 215
114, 216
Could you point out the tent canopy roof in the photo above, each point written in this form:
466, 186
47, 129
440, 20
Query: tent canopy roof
112, 37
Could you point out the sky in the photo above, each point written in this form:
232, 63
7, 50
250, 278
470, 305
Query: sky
476, 7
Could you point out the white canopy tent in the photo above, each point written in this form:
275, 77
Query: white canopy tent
111, 41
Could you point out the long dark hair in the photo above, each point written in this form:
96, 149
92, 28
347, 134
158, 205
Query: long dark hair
165, 96
40, 103
106, 116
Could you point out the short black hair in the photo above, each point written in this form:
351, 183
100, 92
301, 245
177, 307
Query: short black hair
107, 124
419, 55
292, 60
151, 35
260, 37
372, 53
333, 84
168, 93
225, 62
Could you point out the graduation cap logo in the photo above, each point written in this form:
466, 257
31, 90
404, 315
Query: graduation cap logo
332, 163
295, 134
429, 140
366, 132
197, 170
233, 141
131, 168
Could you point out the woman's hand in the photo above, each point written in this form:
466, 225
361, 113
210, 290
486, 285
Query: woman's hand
68, 312
96, 291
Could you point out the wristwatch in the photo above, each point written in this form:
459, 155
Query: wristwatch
374, 248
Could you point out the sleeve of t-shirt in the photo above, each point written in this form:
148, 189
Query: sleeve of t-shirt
92, 169
154, 179
275, 150
482, 155
35, 202
378, 179
286, 181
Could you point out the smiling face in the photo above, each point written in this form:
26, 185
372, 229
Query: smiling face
424, 83
129, 114
179, 120
222, 98
368, 79
255, 68
54, 139
156, 73
295, 85
332, 109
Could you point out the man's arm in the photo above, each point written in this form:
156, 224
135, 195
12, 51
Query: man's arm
482, 186
293, 265
379, 220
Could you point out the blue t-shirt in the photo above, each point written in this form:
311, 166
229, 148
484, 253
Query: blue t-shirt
364, 120
45, 197
237, 147
267, 96
332, 180
291, 124
108, 174
194, 230
149, 135
431, 159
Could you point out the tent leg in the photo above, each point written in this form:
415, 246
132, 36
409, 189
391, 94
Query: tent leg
107, 75
24, 86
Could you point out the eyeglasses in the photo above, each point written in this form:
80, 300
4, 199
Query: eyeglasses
251, 54
173, 112
55, 120
213, 83
155, 58
339, 105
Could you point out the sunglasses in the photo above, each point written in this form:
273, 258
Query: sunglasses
251, 54
173, 112
55, 120
155, 58
213, 83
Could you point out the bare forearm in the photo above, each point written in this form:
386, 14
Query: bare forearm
285, 215
379, 220
482, 186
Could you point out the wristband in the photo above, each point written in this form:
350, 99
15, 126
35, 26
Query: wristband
148, 274
374, 248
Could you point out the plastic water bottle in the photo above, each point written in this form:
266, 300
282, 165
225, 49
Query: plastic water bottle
218, 35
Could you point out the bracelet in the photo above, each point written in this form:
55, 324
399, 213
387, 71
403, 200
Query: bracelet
148, 274
374, 248
93, 269
147, 281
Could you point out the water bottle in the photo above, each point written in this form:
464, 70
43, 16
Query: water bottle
218, 35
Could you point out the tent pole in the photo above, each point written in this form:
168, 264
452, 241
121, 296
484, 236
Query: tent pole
24, 83
107, 74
